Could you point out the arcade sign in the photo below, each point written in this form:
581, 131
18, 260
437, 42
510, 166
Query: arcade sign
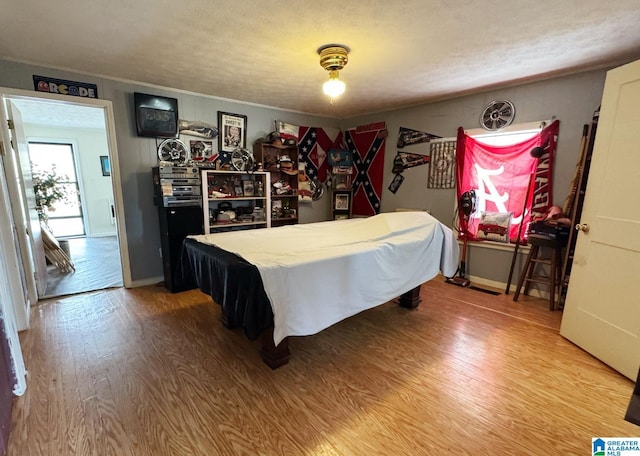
63, 87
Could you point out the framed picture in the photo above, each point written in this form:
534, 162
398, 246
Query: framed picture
233, 131
248, 187
341, 201
104, 164
201, 150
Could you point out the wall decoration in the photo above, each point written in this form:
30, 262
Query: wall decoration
287, 130
105, 165
443, 160
174, 151
202, 151
368, 149
197, 128
64, 87
340, 157
233, 131
156, 116
395, 183
404, 160
497, 115
408, 136
313, 146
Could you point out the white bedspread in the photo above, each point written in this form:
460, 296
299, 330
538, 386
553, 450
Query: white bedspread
318, 274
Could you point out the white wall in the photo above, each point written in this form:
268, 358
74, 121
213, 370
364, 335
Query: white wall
96, 188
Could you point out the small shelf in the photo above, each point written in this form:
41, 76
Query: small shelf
234, 183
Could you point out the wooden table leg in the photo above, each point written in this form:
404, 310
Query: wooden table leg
411, 298
274, 356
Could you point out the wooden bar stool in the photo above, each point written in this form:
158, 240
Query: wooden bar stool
553, 280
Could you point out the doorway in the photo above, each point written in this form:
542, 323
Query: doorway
70, 143
72, 120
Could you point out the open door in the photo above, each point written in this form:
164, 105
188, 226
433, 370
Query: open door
37, 260
601, 312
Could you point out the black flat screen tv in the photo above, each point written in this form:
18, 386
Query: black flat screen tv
156, 117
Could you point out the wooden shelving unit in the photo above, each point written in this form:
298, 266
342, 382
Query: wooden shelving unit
281, 163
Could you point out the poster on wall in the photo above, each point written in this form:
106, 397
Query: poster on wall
233, 131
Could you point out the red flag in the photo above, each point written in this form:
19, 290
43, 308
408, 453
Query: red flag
313, 145
368, 149
500, 176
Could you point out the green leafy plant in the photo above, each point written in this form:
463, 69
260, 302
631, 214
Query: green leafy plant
48, 191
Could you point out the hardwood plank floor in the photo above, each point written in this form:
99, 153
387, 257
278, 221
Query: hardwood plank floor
147, 372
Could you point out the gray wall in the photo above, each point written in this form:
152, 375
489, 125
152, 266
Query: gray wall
137, 156
571, 99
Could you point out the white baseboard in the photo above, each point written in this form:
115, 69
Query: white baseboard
534, 292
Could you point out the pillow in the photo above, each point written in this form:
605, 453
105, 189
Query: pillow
494, 226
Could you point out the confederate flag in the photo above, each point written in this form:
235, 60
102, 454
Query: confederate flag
367, 146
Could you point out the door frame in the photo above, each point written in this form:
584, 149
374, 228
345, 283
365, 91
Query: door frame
107, 106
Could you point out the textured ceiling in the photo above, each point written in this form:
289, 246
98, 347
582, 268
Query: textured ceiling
265, 52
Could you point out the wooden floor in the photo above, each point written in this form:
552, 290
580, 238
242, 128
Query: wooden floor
146, 372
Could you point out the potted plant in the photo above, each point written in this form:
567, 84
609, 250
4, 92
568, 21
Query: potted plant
48, 191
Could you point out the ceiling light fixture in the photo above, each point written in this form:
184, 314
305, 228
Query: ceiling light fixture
333, 58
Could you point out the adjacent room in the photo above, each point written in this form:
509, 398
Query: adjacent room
335, 228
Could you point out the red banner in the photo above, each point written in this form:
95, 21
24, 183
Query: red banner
501, 175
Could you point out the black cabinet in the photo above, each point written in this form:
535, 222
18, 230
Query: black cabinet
176, 223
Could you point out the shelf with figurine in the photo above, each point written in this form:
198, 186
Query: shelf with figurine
279, 158
235, 200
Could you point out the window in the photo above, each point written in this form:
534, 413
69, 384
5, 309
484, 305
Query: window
65, 217
504, 174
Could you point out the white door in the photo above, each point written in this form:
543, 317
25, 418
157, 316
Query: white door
33, 241
602, 312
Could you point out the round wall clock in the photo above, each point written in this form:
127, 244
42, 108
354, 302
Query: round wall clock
497, 115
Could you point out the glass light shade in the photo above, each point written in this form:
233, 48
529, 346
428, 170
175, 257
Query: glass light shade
334, 86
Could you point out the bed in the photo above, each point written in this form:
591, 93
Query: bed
297, 280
